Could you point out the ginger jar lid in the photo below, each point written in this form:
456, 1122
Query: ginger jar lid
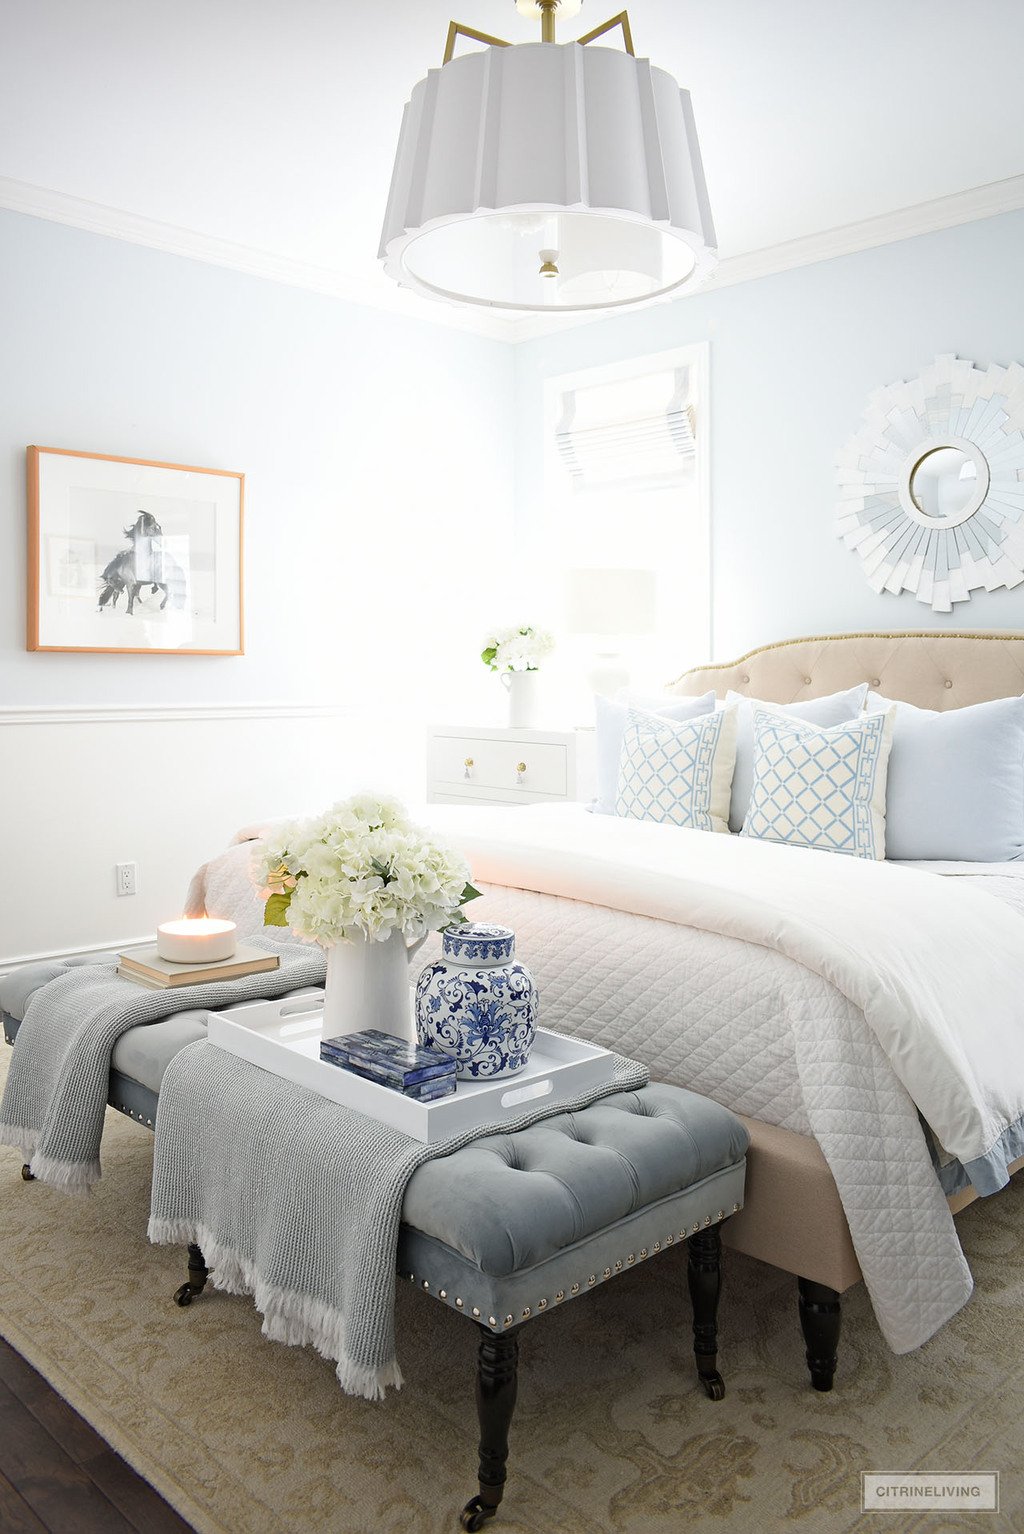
479, 943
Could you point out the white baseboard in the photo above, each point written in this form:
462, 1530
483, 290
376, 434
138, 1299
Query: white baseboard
117, 945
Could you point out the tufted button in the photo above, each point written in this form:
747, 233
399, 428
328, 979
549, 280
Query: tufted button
807, 681
947, 684
876, 681
744, 680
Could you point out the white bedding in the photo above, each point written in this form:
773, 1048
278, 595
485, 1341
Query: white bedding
821, 993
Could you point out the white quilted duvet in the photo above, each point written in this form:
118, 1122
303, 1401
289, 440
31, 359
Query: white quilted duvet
752, 1028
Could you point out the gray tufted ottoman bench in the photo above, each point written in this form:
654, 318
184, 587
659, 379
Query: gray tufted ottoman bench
514, 1226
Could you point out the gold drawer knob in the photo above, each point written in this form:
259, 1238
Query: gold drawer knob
467, 766
520, 769
468, 762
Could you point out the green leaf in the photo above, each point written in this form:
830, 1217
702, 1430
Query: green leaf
469, 893
275, 912
487, 656
457, 919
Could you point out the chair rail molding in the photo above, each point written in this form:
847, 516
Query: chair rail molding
150, 713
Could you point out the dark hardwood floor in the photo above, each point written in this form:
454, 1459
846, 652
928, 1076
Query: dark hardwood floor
57, 1475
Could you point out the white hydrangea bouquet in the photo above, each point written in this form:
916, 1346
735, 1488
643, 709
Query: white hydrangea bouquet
516, 649
363, 870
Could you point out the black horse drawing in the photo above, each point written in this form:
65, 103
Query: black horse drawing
144, 564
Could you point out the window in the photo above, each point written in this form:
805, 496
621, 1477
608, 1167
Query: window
627, 527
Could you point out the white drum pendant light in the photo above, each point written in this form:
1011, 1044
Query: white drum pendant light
548, 176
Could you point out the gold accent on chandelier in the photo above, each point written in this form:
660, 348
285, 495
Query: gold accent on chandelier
548, 10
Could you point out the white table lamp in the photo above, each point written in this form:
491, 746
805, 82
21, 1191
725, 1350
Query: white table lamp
608, 606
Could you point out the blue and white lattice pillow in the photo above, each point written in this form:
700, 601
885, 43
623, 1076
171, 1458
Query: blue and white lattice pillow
677, 770
818, 786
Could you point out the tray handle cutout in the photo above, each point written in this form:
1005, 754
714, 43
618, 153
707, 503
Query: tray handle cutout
302, 1004
527, 1094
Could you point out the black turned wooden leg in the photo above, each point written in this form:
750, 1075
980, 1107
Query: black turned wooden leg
27, 1174
704, 1271
497, 1363
198, 1273
821, 1317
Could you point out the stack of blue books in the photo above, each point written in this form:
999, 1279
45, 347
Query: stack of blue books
419, 1073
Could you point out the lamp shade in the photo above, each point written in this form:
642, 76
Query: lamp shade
548, 176
611, 601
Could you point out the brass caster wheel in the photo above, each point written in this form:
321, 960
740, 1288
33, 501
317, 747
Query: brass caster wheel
714, 1386
27, 1173
183, 1296
475, 1514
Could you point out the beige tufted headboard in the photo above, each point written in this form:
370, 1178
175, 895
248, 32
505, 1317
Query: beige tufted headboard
933, 670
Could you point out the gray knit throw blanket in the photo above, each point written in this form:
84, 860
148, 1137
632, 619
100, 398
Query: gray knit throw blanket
297, 1201
56, 1094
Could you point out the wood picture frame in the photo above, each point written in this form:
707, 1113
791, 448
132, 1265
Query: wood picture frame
133, 556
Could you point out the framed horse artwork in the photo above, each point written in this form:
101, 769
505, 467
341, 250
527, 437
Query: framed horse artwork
133, 557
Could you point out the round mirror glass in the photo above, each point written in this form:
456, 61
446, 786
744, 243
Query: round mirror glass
943, 483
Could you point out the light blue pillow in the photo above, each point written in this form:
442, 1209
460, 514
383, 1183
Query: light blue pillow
956, 782
678, 771
821, 787
835, 708
611, 725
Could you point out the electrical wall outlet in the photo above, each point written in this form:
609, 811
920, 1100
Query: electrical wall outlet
127, 875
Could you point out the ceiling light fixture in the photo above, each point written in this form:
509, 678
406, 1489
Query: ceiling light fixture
548, 176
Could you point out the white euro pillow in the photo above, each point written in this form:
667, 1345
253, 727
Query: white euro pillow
610, 719
834, 708
956, 782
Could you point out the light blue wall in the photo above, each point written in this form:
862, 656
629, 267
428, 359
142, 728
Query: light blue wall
365, 438
793, 359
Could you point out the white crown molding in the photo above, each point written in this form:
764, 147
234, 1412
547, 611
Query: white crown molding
130, 713
135, 229
845, 240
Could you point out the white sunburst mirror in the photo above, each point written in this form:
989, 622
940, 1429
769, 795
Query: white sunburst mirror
932, 485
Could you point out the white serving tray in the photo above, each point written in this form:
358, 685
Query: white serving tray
284, 1037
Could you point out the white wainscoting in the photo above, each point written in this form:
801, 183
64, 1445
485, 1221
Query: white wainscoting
83, 788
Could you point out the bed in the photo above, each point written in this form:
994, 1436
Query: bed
626, 979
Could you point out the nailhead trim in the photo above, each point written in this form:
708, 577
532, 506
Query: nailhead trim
631, 1258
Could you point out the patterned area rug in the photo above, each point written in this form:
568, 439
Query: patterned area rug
612, 1435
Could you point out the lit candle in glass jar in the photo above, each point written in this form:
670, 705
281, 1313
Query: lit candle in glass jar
196, 940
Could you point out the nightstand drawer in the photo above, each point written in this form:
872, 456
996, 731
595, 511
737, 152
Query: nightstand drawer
461, 761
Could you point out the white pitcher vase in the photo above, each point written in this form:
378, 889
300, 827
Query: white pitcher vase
523, 698
367, 986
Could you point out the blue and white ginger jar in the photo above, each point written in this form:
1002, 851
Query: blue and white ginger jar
477, 1003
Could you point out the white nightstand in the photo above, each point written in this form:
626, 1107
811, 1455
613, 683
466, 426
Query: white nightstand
474, 766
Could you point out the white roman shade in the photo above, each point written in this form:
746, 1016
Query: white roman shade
638, 431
